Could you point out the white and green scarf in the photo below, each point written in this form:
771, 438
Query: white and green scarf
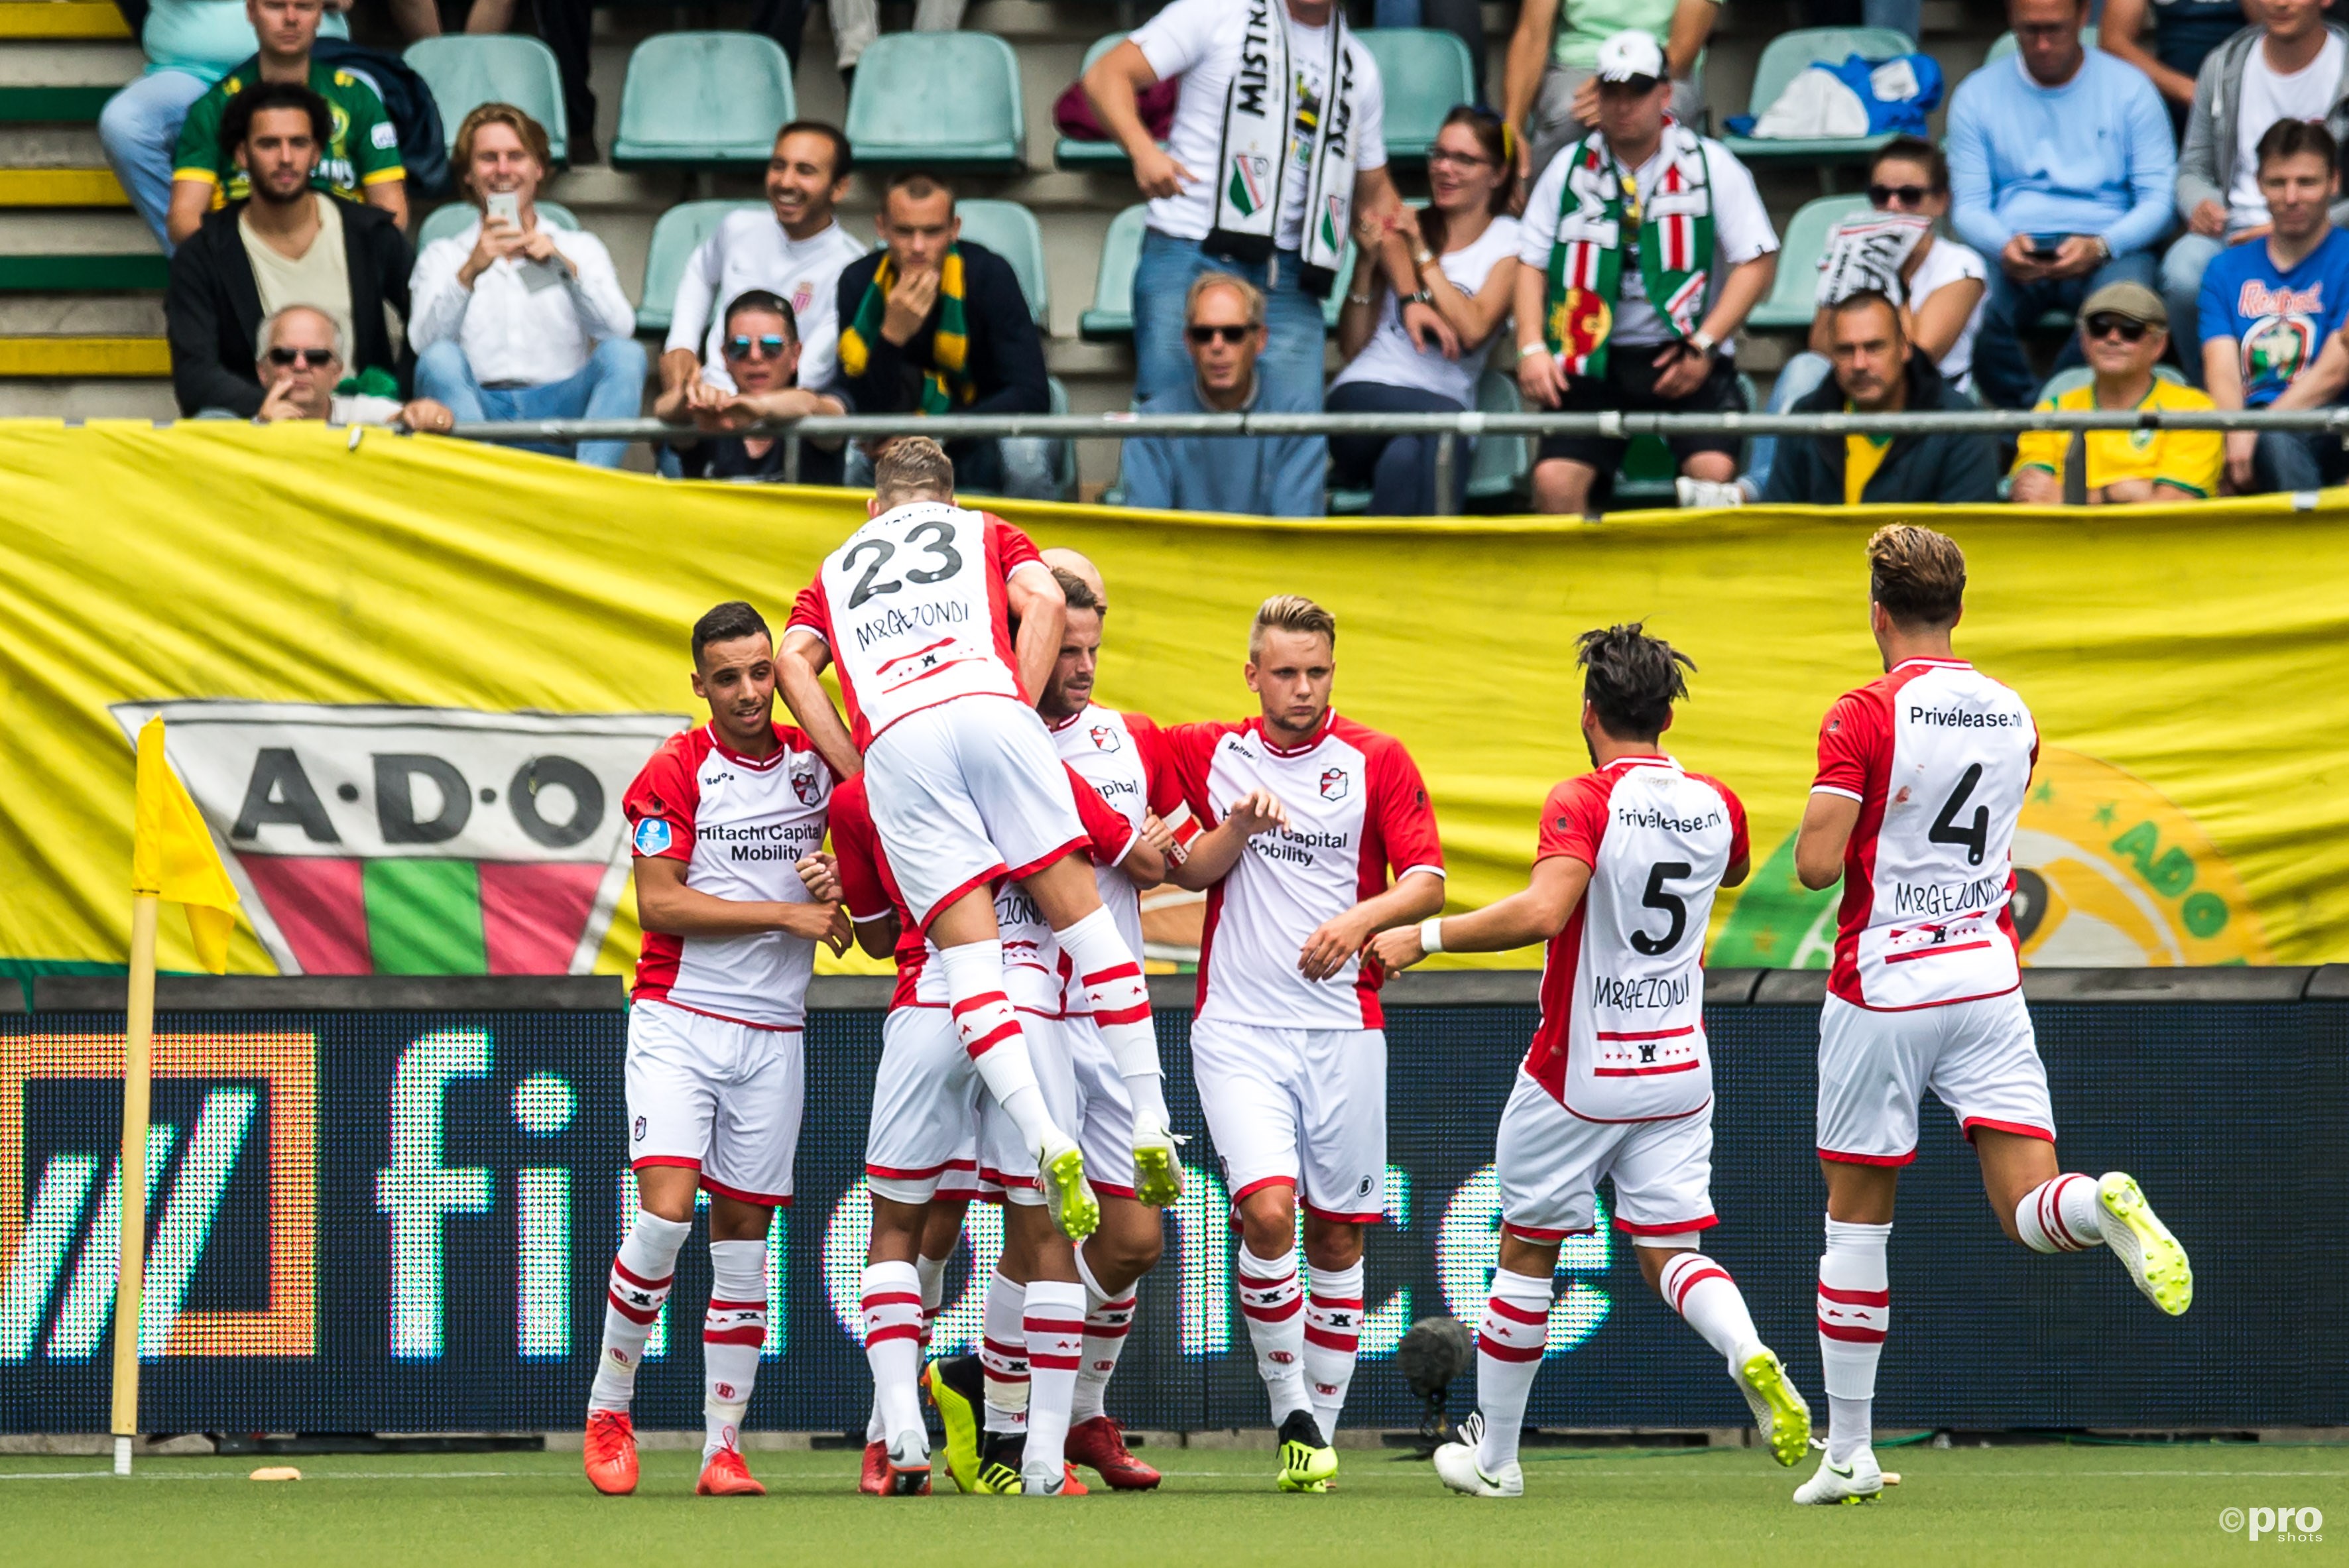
1586, 261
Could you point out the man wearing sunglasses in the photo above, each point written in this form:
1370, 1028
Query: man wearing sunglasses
2124, 332
761, 346
1266, 476
302, 376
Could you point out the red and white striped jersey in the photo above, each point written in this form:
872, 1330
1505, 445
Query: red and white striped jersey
1622, 992
1035, 971
741, 825
913, 610
1124, 755
1938, 757
1356, 810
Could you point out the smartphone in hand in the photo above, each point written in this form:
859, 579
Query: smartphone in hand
505, 206
2043, 247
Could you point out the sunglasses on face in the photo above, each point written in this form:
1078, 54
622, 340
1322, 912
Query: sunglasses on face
768, 347
1457, 159
1907, 195
1206, 335
315, 358
2120, 327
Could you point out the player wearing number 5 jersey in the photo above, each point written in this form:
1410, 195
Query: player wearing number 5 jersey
1921, 779
1618, 1081
917, 611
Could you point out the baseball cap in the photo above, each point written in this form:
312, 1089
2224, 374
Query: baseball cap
1631, 55
2132, 302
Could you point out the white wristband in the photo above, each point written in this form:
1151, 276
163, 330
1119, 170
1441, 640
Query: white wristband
1431, 935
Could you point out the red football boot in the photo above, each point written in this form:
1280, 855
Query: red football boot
875, 1477
610, 1451
1098, 1442
726, 1476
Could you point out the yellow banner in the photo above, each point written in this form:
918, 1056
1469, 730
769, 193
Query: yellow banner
406, 681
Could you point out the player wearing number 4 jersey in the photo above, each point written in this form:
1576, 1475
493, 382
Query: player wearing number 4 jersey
1921, 779
1618, 1081
917, 611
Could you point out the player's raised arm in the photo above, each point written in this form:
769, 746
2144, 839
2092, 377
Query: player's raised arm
1520, 920
799, 670
1042, 613
1216, 850
1418, 895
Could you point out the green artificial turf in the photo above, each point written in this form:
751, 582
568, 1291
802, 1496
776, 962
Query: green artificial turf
2037, 1504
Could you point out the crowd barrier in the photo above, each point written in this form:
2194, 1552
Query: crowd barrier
388, 1205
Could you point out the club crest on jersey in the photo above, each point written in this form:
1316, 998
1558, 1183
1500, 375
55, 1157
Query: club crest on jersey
652, 836
1333, 783
1104, 738
804, 784
640, 1129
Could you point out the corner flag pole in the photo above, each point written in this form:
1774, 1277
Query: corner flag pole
137, 1062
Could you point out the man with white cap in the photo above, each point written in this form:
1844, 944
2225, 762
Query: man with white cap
1644, 246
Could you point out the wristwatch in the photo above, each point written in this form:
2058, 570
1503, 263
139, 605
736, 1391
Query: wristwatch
1704, 343
1422, 297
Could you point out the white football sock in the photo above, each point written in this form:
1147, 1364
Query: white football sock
1054, 1323
733, 1333
1003, 1354
2061, 1216
1855, 1307
1108, 1320
1274, 1304
1333, 1327
1509, 1347
892, 1345
641, 1277
1705, 1296
989, 1030
1118, 997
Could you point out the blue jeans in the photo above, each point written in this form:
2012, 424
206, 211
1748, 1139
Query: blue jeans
1797, 378
140, 127
2296, 460
2001, 370
2181, 291
1289, 372
1399, 469
611, 386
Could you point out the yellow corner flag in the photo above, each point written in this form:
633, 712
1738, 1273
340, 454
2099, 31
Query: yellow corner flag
171, 853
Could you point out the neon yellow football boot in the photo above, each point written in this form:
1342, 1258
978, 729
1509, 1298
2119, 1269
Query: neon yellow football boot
1068, 1195
1779, 1412
1307, 1463
2144, 1244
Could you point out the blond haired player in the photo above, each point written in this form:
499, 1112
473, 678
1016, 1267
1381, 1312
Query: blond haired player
1921, 779
1618, 1081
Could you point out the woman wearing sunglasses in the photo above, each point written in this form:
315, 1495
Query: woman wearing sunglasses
1430, 288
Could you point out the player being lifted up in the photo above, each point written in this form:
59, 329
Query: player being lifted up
916, 609
1618, 1081
1307, 812
715, 1078
1921, 779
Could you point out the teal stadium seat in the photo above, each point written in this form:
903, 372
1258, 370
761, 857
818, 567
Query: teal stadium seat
1787, 56
1790, 304
450, 217
1010, 231
939, 100
1110, 319
466, 70
1427, 74
676, 236
1071, 154
703, 98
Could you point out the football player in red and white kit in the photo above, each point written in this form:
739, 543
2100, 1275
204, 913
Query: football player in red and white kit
1921, 779
720, 816
1618, 1081
915, 610
1307, 814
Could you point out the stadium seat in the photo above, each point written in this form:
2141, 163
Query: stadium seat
2003, 45
1789, 304
1071, 154
1501, 462
1110, 319
1427, 74
1787, 56
466, 70
899, 115
1011, 232
449, 217
676, 236
703, 98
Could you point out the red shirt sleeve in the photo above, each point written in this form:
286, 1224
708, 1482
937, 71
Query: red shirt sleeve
1189, 750
811, 612
1740, 848
659, 805
1407, 817
1112, 835
855, 852
1162, 785
1574, 819
1013, 549
1852, 740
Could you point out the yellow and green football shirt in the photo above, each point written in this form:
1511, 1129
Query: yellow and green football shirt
362, 150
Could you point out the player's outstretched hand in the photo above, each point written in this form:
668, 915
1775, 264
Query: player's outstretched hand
1398, 949
820, 874
1333, 942
1256, 812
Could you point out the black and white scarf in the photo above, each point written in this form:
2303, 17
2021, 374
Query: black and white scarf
1252, 166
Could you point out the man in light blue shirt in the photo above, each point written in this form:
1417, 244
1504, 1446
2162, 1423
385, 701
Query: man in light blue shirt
1261, 476
2061, 166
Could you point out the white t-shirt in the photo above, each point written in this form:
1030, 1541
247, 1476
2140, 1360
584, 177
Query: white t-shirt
2269, 96
1199, 40
751, 251
1741, 231
1391, 359
1948, 263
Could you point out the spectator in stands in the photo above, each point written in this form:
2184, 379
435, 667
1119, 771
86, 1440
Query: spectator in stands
2184, 34
1642, 248
2294, 66
1940, 287
1549, 91
360, 160
1258, 476
935, 323
1204, 217
1459, 257
190, 44
762, 347
2124, 329
299, 357
286, 244
517, 319
795, 250
1877, 370
2061, 167
2271, 315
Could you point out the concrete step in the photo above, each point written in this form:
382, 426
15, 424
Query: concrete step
70, 63
91, 398
62, 314
51, 147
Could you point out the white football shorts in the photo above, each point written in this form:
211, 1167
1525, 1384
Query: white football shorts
923, 1140
1549, 1161
1307, 1107
1105, 1127
717, 1097
1003, 1161
1980, 1057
